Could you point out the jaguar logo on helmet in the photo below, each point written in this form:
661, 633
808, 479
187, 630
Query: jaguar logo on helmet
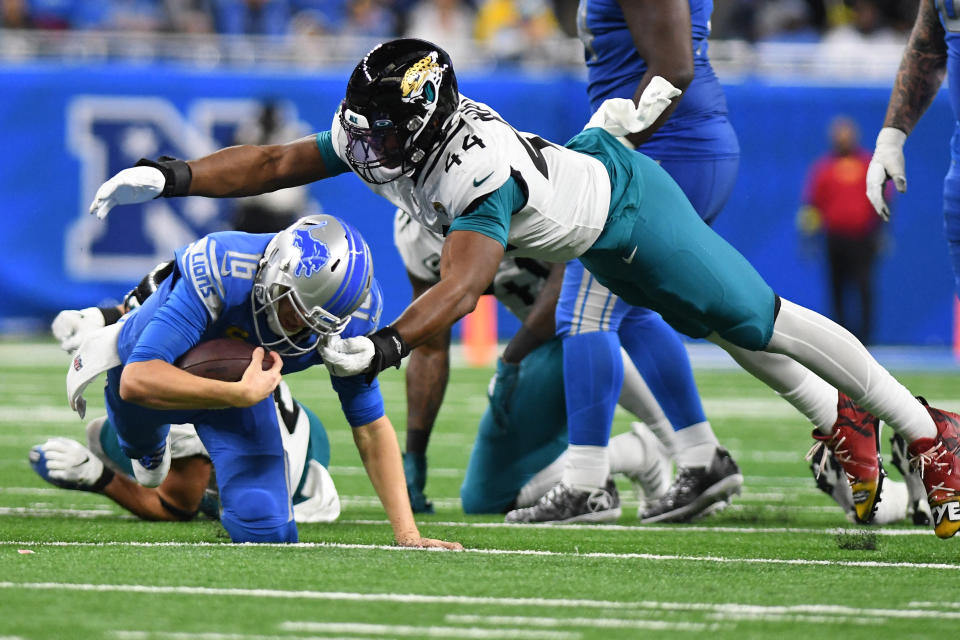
421, 80
313, 253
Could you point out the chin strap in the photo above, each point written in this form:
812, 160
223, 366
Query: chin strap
389, 349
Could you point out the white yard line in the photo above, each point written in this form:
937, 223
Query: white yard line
914, 610
653, 528
129, 634
428, 631
596, 555
596, 623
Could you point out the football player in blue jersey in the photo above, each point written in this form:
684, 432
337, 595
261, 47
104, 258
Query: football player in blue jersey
189, 487
932, 53
626, 45
286, 292
459, 168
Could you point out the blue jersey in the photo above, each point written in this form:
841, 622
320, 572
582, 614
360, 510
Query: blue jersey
698, 127
208, 296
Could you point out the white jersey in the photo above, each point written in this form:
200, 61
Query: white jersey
568, 193
516, 285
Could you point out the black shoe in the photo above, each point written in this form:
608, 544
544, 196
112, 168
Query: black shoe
563, 503
696, 489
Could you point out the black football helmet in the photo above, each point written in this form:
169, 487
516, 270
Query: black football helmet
398, 99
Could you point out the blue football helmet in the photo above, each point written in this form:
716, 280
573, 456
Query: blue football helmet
323, 268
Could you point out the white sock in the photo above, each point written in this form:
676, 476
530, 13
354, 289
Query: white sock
695, 445
541, 482
834, 354
636, 397
817, 400
628, 453
587, 467
811, 395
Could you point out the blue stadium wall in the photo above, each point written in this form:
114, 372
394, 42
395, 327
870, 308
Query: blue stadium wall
65, 129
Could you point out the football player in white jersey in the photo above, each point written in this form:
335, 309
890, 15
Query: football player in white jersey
519, 451
458, 168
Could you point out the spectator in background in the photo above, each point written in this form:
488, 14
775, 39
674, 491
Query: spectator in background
13, 14
836, 202
274, 211
371, 18
317, 17
252, 17
190, 16
449, 23
515, 30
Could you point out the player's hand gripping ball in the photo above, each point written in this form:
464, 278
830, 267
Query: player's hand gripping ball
220, 359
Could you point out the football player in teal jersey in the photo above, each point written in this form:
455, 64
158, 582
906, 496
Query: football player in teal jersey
460, 169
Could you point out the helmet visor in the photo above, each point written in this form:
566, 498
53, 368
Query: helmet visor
375, 152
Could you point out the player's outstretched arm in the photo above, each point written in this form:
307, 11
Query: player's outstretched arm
380, 453
160, 385
242, 170
467, 266
661, 35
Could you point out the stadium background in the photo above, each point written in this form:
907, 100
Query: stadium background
75, 114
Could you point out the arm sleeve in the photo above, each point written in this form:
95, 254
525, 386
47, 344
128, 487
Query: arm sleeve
490, 215
362, 403
177, 325
335, 166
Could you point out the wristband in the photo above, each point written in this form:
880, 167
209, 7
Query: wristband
176, 174
103, 480
388, 350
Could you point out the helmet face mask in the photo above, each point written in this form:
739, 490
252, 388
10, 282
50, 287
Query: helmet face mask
398, 100
312, 276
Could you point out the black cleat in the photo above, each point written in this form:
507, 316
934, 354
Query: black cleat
564, 504
696, 490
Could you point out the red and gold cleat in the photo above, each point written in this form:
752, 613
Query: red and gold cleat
937, 462
855, 444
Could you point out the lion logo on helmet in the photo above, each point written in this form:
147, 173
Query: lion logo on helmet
313, 253
421, 80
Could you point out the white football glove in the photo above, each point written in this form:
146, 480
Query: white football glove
70, 327
68, 463
619, 116
348, 357
887, 164
130, 186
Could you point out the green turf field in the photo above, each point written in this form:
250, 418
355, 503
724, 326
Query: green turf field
781, 560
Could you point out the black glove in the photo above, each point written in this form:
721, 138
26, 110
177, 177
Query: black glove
389, 350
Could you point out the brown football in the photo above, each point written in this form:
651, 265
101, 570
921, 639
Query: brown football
220, 359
